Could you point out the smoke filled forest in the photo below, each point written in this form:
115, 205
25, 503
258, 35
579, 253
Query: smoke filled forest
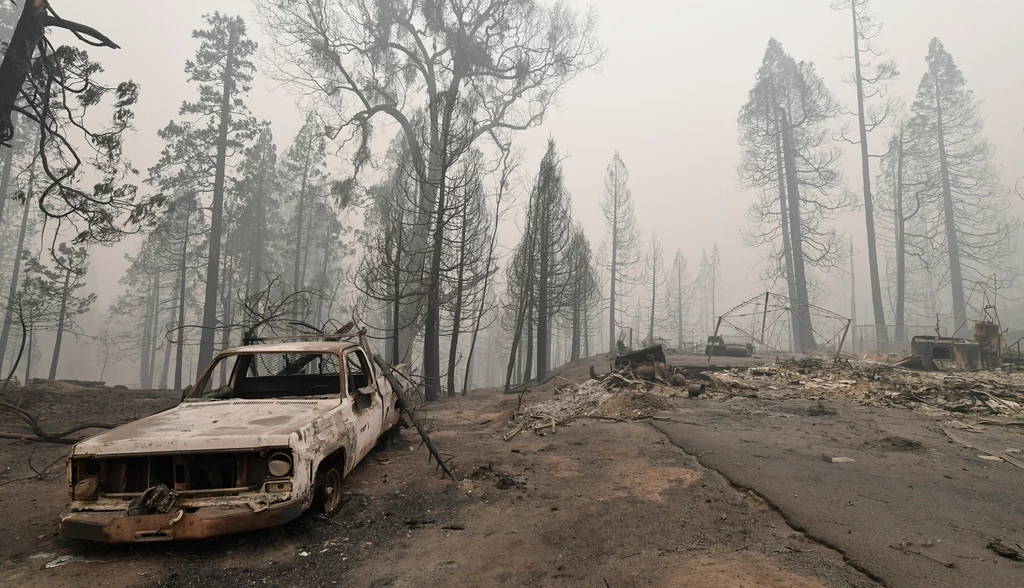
487, 187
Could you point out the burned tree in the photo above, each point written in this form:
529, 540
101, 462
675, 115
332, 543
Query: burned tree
787, 156
903, 185
706, 283
508, 165
583, 293
303, 171
870, 82
259, 207
27, 206
56, 88
176, 250
383, 275
551, 228
35, 307
467, 263
969, 203
196, 154
623, 238
498, 66
518, 303
655, 280
680, 299
61, 282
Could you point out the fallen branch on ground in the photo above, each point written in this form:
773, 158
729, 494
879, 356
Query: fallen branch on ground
34, 439
640, 419
968, 444
410, 414
33, 423
32, 420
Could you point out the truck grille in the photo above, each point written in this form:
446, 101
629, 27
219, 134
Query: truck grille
239, 471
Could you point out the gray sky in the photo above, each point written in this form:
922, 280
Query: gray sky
667, 97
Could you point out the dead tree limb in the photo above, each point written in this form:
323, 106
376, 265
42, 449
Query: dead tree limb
30, 419
34, 439
410, 413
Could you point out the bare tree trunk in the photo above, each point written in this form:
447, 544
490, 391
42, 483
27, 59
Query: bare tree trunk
806, 340
952, 239
614, 269
179, 353
258, 242
12, 293
901, 248
28, 357
14, 69
60, 323
453, 342
528, 367
154, 337
881, 333
396, 315
513, 353
586, 333
323, 282
145, 377
654, 292
225, 337
787, 246
431, 332
165, 371
432, 323
574, 347
679, 306
483, 300
300, 211
543, 318
853, 289
206, 340
514, 350
5, 179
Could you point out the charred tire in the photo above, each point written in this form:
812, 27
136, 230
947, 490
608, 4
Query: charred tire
327, 494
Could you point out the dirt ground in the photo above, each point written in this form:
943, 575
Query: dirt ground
592, 503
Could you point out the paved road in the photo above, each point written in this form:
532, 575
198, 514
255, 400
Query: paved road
913, 509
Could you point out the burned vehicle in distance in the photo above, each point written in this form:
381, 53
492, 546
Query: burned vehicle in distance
267, 432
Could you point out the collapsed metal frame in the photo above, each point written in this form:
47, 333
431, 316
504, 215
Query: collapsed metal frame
783, 307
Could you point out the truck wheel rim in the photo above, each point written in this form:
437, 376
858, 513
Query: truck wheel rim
332, 490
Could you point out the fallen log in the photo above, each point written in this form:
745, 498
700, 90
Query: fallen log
82, 383
410, 414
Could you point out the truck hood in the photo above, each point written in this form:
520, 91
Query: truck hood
211, 426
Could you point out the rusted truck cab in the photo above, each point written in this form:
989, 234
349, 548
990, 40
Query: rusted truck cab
267, 432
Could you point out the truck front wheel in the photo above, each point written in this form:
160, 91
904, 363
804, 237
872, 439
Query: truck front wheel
327, 496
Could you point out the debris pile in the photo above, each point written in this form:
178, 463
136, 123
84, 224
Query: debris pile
639, 388
989, 391
628, 393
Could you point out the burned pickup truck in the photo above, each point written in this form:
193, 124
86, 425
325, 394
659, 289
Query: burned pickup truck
267, 432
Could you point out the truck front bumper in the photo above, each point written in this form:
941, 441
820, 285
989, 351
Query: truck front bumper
119, 527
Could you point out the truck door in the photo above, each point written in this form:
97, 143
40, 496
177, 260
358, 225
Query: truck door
366, 403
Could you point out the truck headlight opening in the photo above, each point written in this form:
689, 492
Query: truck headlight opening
280, 464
